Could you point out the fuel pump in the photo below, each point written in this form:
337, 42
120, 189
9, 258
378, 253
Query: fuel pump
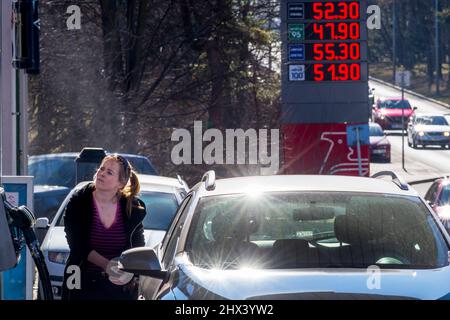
19, 230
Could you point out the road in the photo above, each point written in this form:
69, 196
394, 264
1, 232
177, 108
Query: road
419, 163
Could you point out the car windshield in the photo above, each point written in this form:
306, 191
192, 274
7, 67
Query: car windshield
376, 131
435, 121
160, 206
315, 230
395, 104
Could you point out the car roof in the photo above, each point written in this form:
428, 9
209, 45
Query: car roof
151, 182
159, 182
325, 183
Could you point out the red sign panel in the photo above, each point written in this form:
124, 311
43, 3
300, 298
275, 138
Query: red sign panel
321, 149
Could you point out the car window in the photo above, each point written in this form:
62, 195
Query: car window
436, 121
315, 230
170, 241
432, 193
444, 197
375, 131
161, 208
141, 165
395, 104
53, 171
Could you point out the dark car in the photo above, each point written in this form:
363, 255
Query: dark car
438, 197
380, 147
59, 169
297, 237
55, 174
388, 113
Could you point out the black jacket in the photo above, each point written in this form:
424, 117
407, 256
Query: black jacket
77, 225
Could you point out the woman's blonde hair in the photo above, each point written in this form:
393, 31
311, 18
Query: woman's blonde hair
128, 177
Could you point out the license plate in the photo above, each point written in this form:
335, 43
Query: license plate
396, 126
378, 151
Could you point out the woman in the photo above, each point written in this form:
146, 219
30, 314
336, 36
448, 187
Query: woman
101, 220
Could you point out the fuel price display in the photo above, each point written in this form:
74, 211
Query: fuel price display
327, 36
341, 10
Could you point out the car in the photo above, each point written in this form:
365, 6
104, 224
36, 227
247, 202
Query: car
388, 113
380, 147
59, 169
428, 129
438, 197
161, 196
55, 175
297, 237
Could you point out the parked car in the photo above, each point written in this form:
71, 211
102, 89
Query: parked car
161, 196
388, 113
438, 197
59, 169
380, 147
297, 237
428, 129
55, 175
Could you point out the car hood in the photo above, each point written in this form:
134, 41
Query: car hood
55, 240
375, 140
315, 283
431, 128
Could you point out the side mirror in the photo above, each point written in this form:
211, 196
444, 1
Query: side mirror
141, 261
415, 108
42, 223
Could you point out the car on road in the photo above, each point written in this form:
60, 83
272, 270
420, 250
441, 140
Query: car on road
388, 113
438, 197
297, 237
380, 147
161, 196
428, 129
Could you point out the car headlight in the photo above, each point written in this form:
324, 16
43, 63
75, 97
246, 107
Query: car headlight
58, 257
446, 134
421, 133
382, 117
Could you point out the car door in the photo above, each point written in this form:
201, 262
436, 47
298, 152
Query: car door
153, 288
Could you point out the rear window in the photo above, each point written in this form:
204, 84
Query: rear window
315, 230
53, 171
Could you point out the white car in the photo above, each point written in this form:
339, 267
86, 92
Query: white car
161, 196
297, 237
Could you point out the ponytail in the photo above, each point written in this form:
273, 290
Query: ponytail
131, 190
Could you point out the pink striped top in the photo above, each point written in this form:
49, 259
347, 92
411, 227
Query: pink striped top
109, 242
